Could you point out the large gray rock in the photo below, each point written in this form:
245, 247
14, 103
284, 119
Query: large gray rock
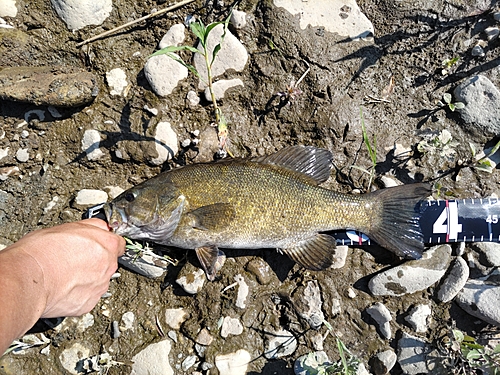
414, 275
153, 360
77, 14
454, 281
482, 104
480, 298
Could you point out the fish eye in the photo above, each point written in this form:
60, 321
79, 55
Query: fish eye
129, 197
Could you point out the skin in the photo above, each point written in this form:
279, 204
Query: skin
55, 272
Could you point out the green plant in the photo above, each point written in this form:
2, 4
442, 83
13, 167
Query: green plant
448, 64
469, 357
202, 32
372, 150
447, 102
139, 250
484, 163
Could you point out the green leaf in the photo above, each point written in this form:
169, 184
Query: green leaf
458, 335
472, 149
447, 97
459, 105
198, 29
171, 49
473, 354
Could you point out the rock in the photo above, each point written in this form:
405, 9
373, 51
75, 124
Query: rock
232, 55
310, 363
164, 74
280, 344
242, 292
414, 275
412, 354
71, 358
8, 8
204, 337
175, 317
128, 320
418, 318
454, 281
84, 322
189, 362
12, 170
384, 361
490, 252
220, 87
22, 155
174, 36
492, 33
60, 86
192, 282
382, 316
143, 363
238, 19
482, 104
261, 270
192, 98
117, 81
480, 297
167, 144
477, 51
307, 302
90, 197
342, 17
113, 191
233, 363
90, 144
231, 326
77, 14
4, 152
340, 256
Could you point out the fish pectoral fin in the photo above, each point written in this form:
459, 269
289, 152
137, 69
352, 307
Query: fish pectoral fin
315, 253
211, 259
213, 217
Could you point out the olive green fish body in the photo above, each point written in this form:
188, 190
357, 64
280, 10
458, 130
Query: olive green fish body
266, 202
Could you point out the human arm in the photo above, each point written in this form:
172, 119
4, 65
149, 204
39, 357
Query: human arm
55, 272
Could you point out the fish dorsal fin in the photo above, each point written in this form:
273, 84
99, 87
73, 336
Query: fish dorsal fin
213, 217
311, 161
211, 259
315, 253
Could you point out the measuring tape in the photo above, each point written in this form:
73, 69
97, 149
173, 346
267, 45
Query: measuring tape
441, 221
444, 221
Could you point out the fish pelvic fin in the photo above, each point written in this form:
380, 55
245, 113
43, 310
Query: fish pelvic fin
397, 227
315, 253
313, 162
212, 259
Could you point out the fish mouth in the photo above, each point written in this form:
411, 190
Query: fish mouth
117, 220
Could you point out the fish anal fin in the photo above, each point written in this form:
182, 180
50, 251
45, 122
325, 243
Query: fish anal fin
315, 253
316, 163
213, 217
212, 259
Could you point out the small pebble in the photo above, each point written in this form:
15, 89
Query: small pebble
193, 282
172, 335
280, 344
189, 362
382, 316
22, 155
231, 326
175, 317
418, 318
477, 51
116, 329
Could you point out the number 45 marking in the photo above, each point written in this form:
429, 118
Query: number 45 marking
447, 222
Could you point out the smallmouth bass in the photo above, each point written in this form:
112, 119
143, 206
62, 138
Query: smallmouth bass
265, 202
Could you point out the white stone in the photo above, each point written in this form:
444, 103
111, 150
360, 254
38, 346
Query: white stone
77, 14
418, 318
194, 283
117, 81
414, 275
174, 36
90, 144
220, 87
238, 19
113, 191
164, 74
189, 362
175, 317
242, 292
280, 344
153, 360
193, 98
382, 316
146, 265
128, 321
387, 359
455, 280
4, 152
231, 326
22, 155
8, 8
84, 322
337, 16
167, 144
412, 353
232, 55
308, 304
88, 197
480, 298
339, 256
70, 358
233, 363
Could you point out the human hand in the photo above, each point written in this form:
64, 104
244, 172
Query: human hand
77, 260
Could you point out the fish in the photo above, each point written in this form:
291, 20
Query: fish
272, 201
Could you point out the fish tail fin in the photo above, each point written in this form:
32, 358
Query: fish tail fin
397, 226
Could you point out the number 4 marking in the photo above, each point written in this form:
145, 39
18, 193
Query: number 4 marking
449, 216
